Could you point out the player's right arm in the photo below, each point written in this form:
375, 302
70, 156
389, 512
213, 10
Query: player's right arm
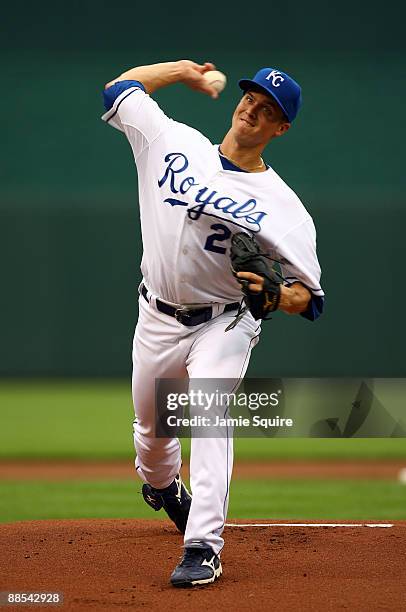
131, 110
155, 76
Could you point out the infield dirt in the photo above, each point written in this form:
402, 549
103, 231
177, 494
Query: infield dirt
119, 565
23, 469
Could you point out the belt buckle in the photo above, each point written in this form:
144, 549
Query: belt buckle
180, 313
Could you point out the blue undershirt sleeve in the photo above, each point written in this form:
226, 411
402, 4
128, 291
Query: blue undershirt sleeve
111, 93
314, 308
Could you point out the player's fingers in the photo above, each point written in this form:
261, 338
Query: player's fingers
203, 86
213, 93
208, 66
256, 282
255, 288
202, 68
254, 278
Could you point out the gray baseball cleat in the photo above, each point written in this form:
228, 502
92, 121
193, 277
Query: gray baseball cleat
199, 566
174, 499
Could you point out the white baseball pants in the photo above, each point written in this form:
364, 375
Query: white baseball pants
164, 348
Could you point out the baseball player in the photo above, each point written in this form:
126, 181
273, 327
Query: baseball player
194, 196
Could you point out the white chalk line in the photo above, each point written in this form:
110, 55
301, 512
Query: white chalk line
384, 525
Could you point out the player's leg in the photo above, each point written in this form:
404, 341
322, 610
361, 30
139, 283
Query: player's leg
157, 353
215, 355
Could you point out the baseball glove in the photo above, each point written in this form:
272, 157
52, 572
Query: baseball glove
246, 256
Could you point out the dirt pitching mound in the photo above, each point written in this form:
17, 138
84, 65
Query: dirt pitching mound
120, 564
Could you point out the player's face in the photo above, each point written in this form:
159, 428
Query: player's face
257, 119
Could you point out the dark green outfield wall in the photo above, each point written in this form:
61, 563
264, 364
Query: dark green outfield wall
70, 238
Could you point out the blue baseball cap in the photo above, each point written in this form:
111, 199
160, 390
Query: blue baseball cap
279, 85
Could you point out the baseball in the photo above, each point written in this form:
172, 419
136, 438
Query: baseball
216, 79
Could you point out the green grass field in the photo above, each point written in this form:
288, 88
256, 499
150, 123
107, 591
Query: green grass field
93, 420
335, 500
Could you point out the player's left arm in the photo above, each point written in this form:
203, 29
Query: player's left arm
293, 300
301, 292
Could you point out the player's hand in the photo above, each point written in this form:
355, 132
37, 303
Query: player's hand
256, 282
191, 74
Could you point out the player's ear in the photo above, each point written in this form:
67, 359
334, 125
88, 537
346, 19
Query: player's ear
282, 129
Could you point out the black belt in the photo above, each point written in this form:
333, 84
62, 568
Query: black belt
187, 316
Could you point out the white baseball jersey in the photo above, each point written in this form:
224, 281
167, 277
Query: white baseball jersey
190, 206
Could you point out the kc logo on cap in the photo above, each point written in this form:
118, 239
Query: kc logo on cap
276, 77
